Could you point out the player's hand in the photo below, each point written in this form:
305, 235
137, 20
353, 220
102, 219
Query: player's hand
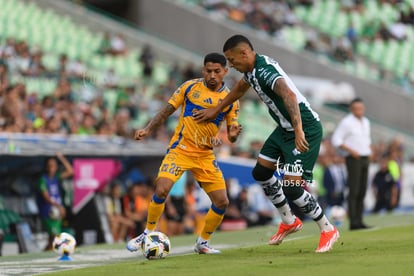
300, 141
355, 154
62, 211
59, 155
235, 130
205, 115
141, 134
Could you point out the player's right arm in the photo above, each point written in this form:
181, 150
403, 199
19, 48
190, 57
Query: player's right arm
156, 122
209, 114
174, 102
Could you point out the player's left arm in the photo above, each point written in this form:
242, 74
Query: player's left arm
233, 127
291, 103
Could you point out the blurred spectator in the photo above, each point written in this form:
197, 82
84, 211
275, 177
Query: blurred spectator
118, 45
87, 126
398, 31
135, 204
352, 35
4, 78
369, 30
35, 67
62, 65
385, 186
76, 69
342, 50
63, 90
49, 196
233, 191
147, 60
111, 79
175, 207
334, 181
383, 32
396, 156
189, 72
105, 46
128, 99
255, 207
122, 126
118, 222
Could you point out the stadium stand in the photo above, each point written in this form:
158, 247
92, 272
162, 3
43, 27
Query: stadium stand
370, 39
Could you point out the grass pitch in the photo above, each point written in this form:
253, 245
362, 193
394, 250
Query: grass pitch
386, 249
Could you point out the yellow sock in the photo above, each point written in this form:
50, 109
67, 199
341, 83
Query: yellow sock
155, 211
212, 220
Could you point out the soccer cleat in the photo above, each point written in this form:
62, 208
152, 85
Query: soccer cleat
204, 248
327, 240
135, 243
284, 230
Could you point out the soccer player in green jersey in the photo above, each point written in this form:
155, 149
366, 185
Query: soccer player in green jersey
292, 147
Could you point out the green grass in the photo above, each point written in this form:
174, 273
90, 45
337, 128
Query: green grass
387, 249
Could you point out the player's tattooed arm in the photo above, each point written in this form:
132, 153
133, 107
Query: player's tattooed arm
160, 117
292, 106
290, 101
156, 122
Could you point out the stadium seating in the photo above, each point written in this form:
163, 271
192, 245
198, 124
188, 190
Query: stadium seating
329, 18
55, 35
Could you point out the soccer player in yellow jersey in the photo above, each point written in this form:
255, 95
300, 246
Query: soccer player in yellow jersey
191, 148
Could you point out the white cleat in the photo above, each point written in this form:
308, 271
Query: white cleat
204, 248
135, 243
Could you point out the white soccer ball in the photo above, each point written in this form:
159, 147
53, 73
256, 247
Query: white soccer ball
64, 244
156, 245
338, 214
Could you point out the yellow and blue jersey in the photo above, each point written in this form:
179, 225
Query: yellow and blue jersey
192, 137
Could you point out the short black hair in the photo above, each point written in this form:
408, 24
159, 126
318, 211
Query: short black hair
356, 100
215, 58
235, 40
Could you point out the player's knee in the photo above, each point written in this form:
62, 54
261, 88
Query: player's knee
222, 203
261, 173
161, 193
163, 188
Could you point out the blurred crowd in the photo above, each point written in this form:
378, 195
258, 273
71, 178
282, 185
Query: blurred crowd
76, 105
271, 16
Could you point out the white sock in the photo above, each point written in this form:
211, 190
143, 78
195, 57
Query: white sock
201, 240
147, 231
324, 224
274, 193
286, 214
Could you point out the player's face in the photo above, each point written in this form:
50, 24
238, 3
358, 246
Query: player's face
358, 109
238, 59
52, 166
213, 74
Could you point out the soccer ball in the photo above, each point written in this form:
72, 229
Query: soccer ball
64, 244
156, 245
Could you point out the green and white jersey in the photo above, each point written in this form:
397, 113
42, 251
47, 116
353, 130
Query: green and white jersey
263, 78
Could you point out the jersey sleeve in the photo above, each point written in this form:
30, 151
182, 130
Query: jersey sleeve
268, 76
232, 116
178, 96
42, 186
